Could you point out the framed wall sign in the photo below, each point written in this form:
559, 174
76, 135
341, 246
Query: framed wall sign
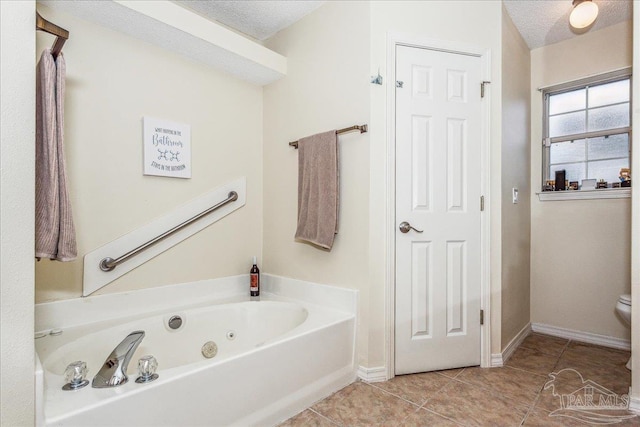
167, 148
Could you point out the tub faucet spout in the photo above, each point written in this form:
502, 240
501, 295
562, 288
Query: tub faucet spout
114, 371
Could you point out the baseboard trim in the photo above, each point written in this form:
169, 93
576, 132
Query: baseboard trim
372, 375
515, 342
634, 404
587, 337
496, 360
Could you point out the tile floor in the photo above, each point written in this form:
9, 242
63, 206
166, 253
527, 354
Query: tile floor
509, 396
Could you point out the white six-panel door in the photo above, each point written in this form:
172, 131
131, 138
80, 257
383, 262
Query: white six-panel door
438, 137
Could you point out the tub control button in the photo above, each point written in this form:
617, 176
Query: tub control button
209, 349
147, 366
75, 375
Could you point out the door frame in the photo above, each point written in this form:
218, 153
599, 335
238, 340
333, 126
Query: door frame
393, 40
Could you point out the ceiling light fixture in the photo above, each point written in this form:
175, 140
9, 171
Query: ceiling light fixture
583, 14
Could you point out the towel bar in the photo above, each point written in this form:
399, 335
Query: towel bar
362, 128
61, 34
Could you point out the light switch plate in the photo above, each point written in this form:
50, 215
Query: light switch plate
514, 194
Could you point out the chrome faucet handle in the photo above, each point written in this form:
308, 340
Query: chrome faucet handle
75, 375
147, 366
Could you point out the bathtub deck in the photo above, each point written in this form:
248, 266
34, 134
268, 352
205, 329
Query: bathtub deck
306, 349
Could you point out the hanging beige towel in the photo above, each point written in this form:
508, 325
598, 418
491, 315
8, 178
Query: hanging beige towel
318, 189
55, 232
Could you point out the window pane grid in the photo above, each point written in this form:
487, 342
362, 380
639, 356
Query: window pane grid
590, 170
593, 140
587, 161
603, 115
593, 134
620, 140
589, 108
601, 118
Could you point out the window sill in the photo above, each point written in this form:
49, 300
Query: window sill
603, 193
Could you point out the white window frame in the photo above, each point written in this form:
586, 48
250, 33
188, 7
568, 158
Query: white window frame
610, 193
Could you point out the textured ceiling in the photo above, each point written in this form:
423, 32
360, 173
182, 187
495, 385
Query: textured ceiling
544, 22
258, 19
143, 26
541, 22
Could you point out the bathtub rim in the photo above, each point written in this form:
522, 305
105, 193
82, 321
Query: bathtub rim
74, 312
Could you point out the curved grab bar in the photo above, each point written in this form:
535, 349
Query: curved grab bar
108, 263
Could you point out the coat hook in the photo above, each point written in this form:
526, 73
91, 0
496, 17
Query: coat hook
377, 79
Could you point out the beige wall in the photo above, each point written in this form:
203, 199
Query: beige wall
479, 27
580, 249
326, 87
332, 53
112, 81
17, 186
516, 161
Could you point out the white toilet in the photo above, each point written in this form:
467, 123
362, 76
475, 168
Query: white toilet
623, 307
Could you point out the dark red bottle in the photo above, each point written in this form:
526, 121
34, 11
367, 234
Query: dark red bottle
254, 274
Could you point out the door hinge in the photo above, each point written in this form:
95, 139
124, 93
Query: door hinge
482, 87
482, 317
481, 203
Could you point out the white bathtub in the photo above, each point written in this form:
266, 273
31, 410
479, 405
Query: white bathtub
275, 357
